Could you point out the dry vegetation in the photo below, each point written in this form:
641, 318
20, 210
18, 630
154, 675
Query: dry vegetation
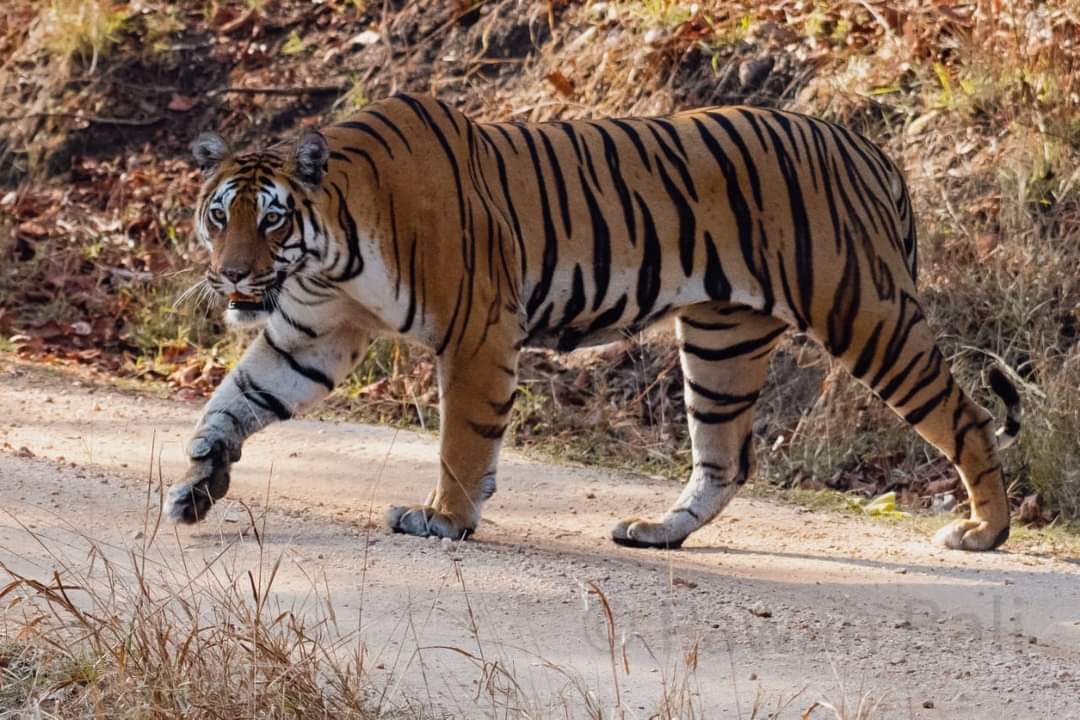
978, 101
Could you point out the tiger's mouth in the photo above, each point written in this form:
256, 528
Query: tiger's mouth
257, 302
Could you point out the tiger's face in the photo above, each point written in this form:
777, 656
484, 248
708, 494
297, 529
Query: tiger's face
248, 218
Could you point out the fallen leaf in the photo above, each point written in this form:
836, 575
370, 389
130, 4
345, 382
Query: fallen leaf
181, 103
1030, 509
563, 84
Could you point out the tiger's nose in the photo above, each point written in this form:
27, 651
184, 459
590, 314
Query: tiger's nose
235, 274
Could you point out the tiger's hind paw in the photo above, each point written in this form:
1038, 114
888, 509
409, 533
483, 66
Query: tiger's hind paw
426, 521
971, 535
644, 534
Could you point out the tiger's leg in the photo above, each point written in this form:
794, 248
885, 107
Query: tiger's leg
725, 358
476, 394
282, 373
893, 351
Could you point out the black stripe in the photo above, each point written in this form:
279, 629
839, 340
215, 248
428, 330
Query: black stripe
559, 180
898, 340
866, 357
601, 244
740, 348
424, 115
961, 436
551, 245
889, 390
295, 324
687, 226
748, 160
736, 202
609, 317
919, 414
453, 321
845, 305
702, 325
363, 155
393, 128
635, 139
721, 397
715, 418
677, 163
504, 407
509, 204
667, 127
410, 314
489, 432
800, 224
611, 156
745, 459
717, 284
576, 303
313, 374
928, 375
232, 418
355, 264
368, 130
256, 394
648, 285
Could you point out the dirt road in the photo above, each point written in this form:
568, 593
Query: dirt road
776, 600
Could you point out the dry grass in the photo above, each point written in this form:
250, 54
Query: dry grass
132, 637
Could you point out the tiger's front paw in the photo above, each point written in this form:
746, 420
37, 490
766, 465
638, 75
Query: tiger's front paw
644, 534
971, 535
426, 521
205, 482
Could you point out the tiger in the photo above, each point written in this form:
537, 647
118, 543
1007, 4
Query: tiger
477, 240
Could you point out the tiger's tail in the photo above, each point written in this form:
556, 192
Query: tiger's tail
1004, 389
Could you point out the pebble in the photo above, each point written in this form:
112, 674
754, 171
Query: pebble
761, 610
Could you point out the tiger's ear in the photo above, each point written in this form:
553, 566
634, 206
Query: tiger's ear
312, 153
209, 150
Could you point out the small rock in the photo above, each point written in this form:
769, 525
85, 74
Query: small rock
753, 676
753, 73
928, 704
760, 610
137, 535
368, 37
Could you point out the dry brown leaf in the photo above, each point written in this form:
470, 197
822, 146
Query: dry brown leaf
563, 84
181, 103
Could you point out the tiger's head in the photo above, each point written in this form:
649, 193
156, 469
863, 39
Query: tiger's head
249, 217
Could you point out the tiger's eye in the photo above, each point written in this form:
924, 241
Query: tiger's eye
218, 215
271, 218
